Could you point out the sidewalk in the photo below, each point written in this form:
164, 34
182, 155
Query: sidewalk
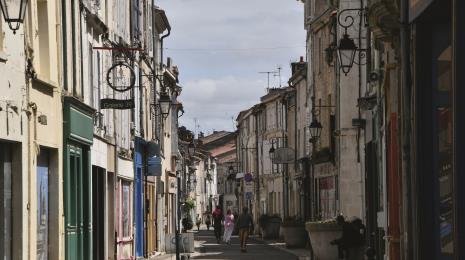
300, 253
197, 249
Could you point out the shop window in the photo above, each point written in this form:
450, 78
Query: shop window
126, 208
327, 197
5, 201
42, 204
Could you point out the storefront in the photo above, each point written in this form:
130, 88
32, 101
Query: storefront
125, 209
10, 200
437, 85
139, 212
78, 135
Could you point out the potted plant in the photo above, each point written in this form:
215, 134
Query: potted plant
187, 223
189, 205
321, 233
295, 235
269, 226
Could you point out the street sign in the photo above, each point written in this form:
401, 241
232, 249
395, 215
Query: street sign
248, 177
248, 186
108, 103
248, 195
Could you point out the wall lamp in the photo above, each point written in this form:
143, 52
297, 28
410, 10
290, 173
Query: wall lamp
13, 12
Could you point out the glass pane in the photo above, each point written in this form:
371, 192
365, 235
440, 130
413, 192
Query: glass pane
5, 202
72, 192
444, 70
42, 206
126, 209
444, 121
327, 196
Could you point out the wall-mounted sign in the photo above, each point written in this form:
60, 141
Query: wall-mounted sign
108, 103
416, 7
121, 76
283, 155
154, 166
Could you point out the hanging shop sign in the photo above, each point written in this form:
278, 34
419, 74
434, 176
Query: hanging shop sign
121, 76
108, 103
283, 155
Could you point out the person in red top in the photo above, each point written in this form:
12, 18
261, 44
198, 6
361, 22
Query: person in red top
217, 219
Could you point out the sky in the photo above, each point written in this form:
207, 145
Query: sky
220, 46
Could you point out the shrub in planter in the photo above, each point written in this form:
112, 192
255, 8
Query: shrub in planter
321, 234
294, 232
187, 223
269, 226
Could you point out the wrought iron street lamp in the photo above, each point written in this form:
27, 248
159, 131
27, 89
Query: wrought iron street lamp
165, 104
315, 130
346, 52
14, 12
347, 48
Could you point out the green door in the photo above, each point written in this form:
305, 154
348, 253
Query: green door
77, 204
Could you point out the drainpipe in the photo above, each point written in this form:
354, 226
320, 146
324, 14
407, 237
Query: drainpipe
295, 142
161, 45
406, 126
257, 165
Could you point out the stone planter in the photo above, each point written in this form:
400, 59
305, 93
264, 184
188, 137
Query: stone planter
271, 229
295, 236
321, 234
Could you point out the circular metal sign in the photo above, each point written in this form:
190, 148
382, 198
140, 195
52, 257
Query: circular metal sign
121, 77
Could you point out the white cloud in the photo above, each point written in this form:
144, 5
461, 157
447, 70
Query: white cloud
215, 101
219, 80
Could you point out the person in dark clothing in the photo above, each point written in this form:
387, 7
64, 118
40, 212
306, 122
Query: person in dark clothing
217, 222
208, 221
350, 238
244, 223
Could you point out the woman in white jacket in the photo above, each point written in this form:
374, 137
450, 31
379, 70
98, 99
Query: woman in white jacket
228, 227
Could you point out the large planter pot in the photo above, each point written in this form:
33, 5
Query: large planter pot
321, 234
271, 229
295, 236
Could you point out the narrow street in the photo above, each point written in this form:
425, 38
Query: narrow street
255, 249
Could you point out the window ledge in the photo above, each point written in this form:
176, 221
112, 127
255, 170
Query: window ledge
3, 57
46, 82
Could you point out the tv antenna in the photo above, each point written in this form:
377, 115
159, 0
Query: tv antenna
278, 74
268, 75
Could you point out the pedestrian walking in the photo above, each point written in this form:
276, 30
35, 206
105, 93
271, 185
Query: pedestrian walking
208, 222
217, 222
228, 227
198, 221
245, 224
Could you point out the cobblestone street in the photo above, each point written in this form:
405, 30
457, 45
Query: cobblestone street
255, 249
